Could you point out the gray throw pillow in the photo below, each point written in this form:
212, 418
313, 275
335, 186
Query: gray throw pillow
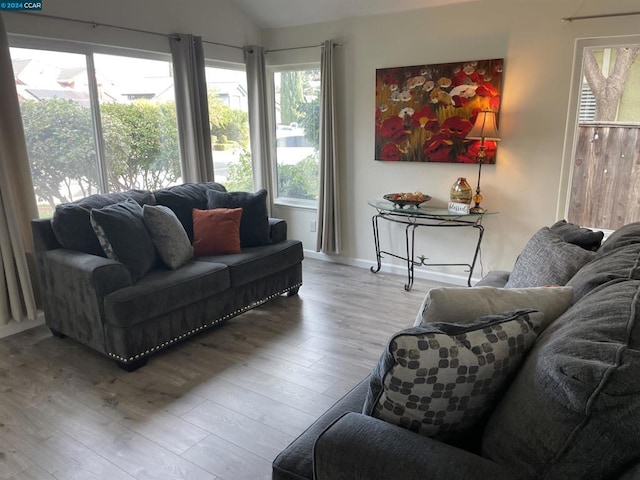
441, 379
254, 224
71, 222
124, 237
577, 235
463, 305
168, 235
547, 260
628, 234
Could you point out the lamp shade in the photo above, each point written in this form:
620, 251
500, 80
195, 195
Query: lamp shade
485, 127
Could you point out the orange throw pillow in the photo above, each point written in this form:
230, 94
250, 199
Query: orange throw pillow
216, 232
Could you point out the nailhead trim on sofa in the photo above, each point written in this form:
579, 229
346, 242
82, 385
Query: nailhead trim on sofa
255, 304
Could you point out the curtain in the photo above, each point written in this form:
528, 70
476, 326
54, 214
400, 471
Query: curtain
17, 202
192, 108
259, 120
328, 240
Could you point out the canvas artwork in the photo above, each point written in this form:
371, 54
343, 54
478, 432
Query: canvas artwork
424, 112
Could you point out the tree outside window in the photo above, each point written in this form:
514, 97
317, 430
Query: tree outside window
605, 178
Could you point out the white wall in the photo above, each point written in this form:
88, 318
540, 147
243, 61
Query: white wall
524, 185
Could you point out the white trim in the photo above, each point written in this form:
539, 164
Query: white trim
16, 327
400, 270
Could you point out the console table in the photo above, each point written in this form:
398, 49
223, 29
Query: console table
414, 217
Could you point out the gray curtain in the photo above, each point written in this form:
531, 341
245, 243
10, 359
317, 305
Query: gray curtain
192, 108
328, 240
17, 202
259, 121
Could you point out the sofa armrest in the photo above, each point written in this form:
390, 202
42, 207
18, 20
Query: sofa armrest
73, 286
357, 446
495, 278
277, 230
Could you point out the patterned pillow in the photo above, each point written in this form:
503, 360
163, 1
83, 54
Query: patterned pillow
442, 379
547, 260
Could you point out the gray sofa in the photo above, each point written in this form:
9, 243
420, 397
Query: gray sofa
100, 303
571, 412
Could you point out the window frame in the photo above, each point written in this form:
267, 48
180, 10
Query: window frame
88, 50
239, 67
271, 70
572, 124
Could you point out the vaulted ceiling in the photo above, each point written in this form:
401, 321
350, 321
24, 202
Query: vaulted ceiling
286, 13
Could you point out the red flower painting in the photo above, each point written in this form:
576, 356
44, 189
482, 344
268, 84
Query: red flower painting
423, 113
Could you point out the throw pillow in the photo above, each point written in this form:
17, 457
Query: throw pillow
577, 235
254, 225
547, 260
441, 379
628, 234
217, 231
168, 235
124, 237
183, 198
464, 305
71, 222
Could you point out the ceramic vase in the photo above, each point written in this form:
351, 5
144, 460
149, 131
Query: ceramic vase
461, 191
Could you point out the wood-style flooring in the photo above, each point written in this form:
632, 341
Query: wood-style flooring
220, 405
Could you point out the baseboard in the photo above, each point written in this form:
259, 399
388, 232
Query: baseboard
13, 327
391, 268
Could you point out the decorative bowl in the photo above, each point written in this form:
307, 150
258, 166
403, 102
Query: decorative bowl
400, 200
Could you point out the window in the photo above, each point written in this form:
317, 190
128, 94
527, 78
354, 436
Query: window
229, 118
297, 135
95, 122
603, 179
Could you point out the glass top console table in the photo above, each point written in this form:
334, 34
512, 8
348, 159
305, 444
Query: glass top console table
414, 217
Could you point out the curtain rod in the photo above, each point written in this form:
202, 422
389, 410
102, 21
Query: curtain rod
128, 29
604, 15
299, 48
148, 32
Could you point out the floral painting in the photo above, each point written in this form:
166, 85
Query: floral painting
424, 112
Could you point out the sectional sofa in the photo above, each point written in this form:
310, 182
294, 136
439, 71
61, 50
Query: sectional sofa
568, 407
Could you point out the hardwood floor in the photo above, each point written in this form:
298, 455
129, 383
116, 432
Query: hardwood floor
221, 405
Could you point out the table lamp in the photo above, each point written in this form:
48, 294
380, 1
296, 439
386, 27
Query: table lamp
484, 129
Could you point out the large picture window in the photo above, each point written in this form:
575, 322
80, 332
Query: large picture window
229, 119
297, 134
96, 123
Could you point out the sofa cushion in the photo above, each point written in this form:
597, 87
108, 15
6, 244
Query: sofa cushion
577, 235
573, 410
547, 260
216, 232
162, 291
609, 266
441, 379
254, 225
168, 235
625, 235
258, 262
124, 237
182, 199
462, 305
71, 222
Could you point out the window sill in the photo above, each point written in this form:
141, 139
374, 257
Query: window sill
296, 203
